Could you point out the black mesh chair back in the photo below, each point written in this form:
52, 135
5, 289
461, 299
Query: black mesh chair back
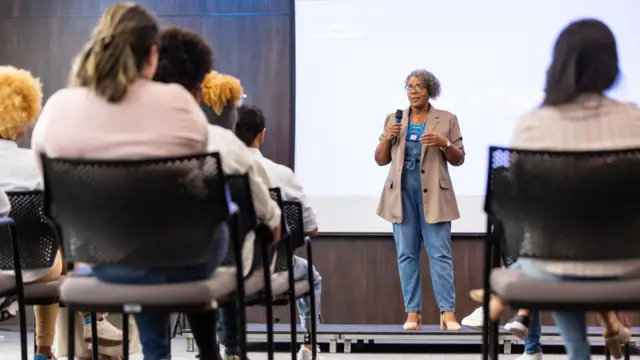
285, 238
38, 246
566, 205
241, 195
293, 217
141, 213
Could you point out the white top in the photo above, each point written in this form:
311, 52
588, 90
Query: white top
5, 207
19, 171
590, 123
237, 160
283, 177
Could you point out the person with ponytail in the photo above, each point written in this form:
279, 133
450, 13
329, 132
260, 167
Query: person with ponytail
112, 110
221, 95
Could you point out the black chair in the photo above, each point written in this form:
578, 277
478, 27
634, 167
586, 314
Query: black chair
296, 289
255, 238
570, 206
117, 213
33, 238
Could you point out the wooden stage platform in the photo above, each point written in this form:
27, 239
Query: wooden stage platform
346, 335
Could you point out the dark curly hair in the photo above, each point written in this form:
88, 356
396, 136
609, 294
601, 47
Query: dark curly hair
184, 58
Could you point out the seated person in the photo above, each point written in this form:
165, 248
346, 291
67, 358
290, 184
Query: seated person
176, 45
221, 95
21, 102
584, 67
525, 325
112, 110
251, 129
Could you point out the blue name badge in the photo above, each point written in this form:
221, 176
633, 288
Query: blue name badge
414, 132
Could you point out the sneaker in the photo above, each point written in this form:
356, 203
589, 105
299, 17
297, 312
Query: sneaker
108, 335
474, 320
537, 356
306, 354
519, 326
8, 308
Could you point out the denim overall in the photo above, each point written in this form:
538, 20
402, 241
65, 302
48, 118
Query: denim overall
414, 229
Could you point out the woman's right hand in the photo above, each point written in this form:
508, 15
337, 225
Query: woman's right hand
392, 130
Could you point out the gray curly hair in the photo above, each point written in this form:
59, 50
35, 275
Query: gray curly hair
428, 80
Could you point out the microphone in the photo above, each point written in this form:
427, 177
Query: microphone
398, 116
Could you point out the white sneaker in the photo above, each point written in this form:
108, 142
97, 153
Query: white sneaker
518, 326
108, 335
305, 354
474, 320
537, 356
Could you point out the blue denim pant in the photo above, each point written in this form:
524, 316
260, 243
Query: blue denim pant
155, 328
228, 324
437, 239
572, 324
532, 343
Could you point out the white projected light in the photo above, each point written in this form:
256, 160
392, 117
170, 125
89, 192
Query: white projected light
491, 56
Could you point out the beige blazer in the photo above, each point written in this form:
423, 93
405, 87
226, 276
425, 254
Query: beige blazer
438, 197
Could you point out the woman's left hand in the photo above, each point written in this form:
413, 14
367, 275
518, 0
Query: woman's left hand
432, 138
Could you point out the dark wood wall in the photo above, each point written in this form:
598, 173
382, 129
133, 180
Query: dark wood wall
252, 40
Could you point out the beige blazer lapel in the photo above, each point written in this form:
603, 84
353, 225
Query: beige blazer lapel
433, 120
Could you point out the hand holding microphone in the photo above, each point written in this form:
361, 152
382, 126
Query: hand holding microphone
392, 129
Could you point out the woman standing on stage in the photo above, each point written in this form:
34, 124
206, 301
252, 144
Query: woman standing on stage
418, 196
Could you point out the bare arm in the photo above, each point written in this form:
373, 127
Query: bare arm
383, 152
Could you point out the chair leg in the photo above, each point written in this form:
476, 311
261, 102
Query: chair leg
292, 304
312, 300
125, 336
268, 302
485, 306
627, 351
495, 344
293, 329
17, 267
607, 354
71, 333
24, 345
94, 336
242, 315
35, 342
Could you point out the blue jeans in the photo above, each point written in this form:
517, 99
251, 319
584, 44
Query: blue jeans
437, 239
532, 343
228, 324
155, 328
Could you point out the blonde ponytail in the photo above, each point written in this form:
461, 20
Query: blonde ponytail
109, 64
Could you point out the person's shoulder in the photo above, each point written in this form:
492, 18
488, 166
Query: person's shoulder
444, 113
218, 133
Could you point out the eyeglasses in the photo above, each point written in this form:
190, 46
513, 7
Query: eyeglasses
414, 88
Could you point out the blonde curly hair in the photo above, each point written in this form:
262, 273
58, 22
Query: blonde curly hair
218, 90
20, 101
